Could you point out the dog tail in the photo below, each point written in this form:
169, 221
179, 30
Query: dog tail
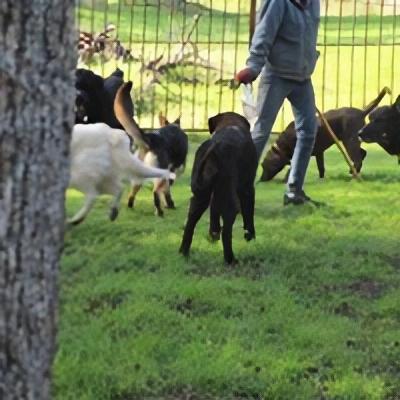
371, 106
121, 102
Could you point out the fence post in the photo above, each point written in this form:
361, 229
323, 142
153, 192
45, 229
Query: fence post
253, 6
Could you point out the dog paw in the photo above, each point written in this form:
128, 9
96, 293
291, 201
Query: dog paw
113, 214
231, 261
184, 251
159, 213
131, 202
249, 235
214, 236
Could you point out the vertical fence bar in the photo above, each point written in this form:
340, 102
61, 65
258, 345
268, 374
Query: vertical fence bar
194, 75
235, 62
167, 90
324, 57
380, 45
365, 52
338, 52
92, 26
118, 28
208, 59
154, 84
222, 58
182, 67
353, 44
105, 24
132, 16
143, 57
394, 25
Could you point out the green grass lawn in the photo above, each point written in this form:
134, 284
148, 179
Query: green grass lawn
311, 312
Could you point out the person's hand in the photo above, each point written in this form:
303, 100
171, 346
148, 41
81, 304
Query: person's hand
246, 75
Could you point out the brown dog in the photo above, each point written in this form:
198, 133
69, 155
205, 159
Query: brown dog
223, 178
345, 122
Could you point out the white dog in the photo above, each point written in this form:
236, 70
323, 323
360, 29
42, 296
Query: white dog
101, 161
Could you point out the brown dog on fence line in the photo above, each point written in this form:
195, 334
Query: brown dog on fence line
345, 122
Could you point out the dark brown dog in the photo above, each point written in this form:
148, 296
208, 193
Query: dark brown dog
223, 178
384, 128
345, 122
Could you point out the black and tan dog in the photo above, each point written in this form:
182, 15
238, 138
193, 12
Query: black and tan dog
345, 122
223, 178
384, 128
166, 148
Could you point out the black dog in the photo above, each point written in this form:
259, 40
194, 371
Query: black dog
166, 148
345, 122
384, 128
95, 97
223, 177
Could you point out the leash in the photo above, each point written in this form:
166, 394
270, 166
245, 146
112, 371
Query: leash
339, 144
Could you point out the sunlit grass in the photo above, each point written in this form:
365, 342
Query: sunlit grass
311, 310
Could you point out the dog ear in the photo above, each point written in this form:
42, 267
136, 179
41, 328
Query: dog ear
163, 120
397, 104
178, 121
213, 123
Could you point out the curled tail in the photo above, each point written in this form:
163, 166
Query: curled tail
371, 106
121, 106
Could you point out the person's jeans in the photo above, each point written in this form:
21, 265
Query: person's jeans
272, 92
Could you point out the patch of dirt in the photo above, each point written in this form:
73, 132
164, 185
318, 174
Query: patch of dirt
367, 288
345, 309
96, 304
191, 308
392, 261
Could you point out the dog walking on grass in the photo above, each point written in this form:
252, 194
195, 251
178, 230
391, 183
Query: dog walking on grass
223, 178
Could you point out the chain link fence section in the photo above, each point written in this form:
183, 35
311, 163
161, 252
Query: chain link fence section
181, 55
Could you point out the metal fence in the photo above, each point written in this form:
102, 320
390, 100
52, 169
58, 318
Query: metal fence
182, 55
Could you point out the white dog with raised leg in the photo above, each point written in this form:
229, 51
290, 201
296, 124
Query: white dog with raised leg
101, 162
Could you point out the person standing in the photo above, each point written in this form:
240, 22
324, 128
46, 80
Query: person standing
283, 50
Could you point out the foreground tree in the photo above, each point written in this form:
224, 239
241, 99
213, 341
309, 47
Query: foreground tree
37, 62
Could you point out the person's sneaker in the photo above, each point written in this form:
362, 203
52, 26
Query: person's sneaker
296, 197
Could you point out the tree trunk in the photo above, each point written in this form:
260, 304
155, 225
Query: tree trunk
37, 64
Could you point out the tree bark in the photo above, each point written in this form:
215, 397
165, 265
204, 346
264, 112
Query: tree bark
37, 73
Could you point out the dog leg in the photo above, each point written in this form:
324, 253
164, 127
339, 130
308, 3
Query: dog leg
247, 200
215, 225
115, 204
168, 199
228, 218
320, 164
132, 195
157, 204
196, 209
81, 214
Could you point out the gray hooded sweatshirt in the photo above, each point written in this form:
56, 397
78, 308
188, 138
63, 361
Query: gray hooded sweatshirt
285, 39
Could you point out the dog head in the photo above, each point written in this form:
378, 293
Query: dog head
88, 104
384, 128
222, 120
273, 163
